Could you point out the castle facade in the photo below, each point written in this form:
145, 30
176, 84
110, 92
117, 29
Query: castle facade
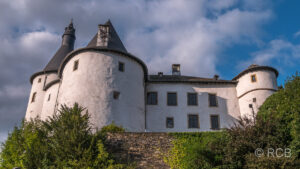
115, 86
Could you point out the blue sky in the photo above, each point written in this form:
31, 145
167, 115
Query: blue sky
206, 37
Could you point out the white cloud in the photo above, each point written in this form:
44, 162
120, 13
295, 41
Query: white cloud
297, 34
277, 52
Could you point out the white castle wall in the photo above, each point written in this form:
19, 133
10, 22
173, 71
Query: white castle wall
93, 84
265, 86
49, 105
228, 108
50, 77
34, 109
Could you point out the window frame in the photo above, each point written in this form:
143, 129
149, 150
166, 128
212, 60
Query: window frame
210, 120
155, 98
116, 95
49, 97
187, 98
215, 94
123, 66
33, 97
167, 122
188, 120
75, 65
253, 75
168, 98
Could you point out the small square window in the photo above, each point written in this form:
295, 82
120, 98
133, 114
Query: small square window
254, 100
75, 66
152, 98
172, 99
212, 100
253, 78
193, 121
33, 97
250, 106
192, 99
116, 95
40, 79
121, 66
49, 97
170, 122
215, 122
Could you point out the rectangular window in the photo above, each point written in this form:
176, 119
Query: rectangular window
116, 95
121, 66
192, 99
215, 122
212, 98
172, 99
254, 99
40, 79
193, 121
75, 66
152, 98
170, 122
33, 97
253, 78
49, 97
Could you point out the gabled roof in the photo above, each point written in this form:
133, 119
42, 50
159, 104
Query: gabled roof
114, 41
186, 79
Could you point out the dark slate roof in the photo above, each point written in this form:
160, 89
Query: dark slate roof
114, 41
255, 67
58, 58
62, 52
186, 79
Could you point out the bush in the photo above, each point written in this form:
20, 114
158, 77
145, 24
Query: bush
196, 150
63, 141
112, 128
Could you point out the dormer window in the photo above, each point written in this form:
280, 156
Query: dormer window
253, 78
75, 66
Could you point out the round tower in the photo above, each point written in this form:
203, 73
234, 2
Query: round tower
255, 85
45, 83
106, 80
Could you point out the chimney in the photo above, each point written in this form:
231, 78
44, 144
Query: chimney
103, 35
176, 69
216, 77
160, 74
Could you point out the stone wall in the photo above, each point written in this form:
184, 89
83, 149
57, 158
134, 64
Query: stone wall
144, 149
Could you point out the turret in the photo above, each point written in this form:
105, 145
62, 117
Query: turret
68, 38
255, 85
45, 83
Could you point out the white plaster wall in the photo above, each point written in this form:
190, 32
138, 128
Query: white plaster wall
49, 106
34, 109
265, 79
51, 77
266, 83
92, 86
228, 108
260, 95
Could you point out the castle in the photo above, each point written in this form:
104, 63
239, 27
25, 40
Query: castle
115, 86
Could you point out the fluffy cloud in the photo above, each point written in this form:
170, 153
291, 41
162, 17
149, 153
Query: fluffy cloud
192, 33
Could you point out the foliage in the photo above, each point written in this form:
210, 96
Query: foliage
113, 128
65, 140
196, 150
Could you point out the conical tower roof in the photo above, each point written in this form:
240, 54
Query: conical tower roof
68, 40
113, 40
